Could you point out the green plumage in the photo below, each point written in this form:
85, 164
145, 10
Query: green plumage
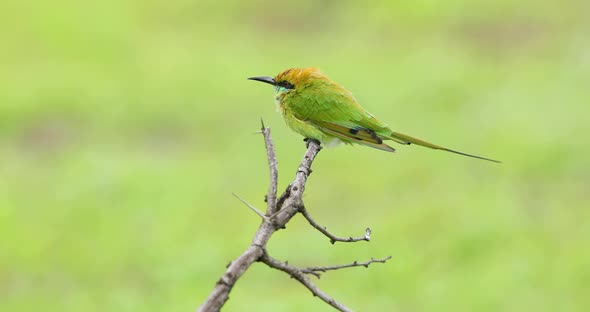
321, 109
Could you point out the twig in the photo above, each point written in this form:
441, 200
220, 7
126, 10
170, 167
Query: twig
332, 237
299, 275
314, 270
271, 196
258, 212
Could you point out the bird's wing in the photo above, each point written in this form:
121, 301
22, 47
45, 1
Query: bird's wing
334, 104
360, 135
337, 113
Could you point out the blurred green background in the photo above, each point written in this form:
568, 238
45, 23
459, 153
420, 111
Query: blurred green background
126, 125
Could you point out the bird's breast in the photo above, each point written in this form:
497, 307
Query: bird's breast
278, 102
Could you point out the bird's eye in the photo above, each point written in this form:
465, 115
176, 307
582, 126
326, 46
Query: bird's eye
285, 84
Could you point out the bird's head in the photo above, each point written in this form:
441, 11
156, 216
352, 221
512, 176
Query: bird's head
293, 79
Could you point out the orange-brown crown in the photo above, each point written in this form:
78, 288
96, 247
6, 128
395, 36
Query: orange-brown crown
300, 76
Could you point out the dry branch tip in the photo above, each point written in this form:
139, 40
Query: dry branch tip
333, 238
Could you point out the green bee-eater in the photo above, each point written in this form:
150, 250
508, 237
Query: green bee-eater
321, 109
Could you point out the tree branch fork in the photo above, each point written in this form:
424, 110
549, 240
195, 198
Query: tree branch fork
279, 212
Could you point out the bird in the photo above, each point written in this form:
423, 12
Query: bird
323, 110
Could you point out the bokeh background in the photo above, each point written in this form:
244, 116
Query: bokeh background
126, 125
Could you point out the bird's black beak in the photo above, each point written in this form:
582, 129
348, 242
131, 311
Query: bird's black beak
264, 79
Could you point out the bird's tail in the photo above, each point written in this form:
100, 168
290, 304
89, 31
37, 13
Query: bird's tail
406, 139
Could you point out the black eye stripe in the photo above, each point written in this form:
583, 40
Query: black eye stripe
285, 84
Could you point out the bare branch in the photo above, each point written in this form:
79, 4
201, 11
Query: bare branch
332, 237
279, 212
299, 275
315, 270
291, 203
271, 196
258, 212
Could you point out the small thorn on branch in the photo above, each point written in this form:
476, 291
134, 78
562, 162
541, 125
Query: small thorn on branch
258, 212
333, 238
